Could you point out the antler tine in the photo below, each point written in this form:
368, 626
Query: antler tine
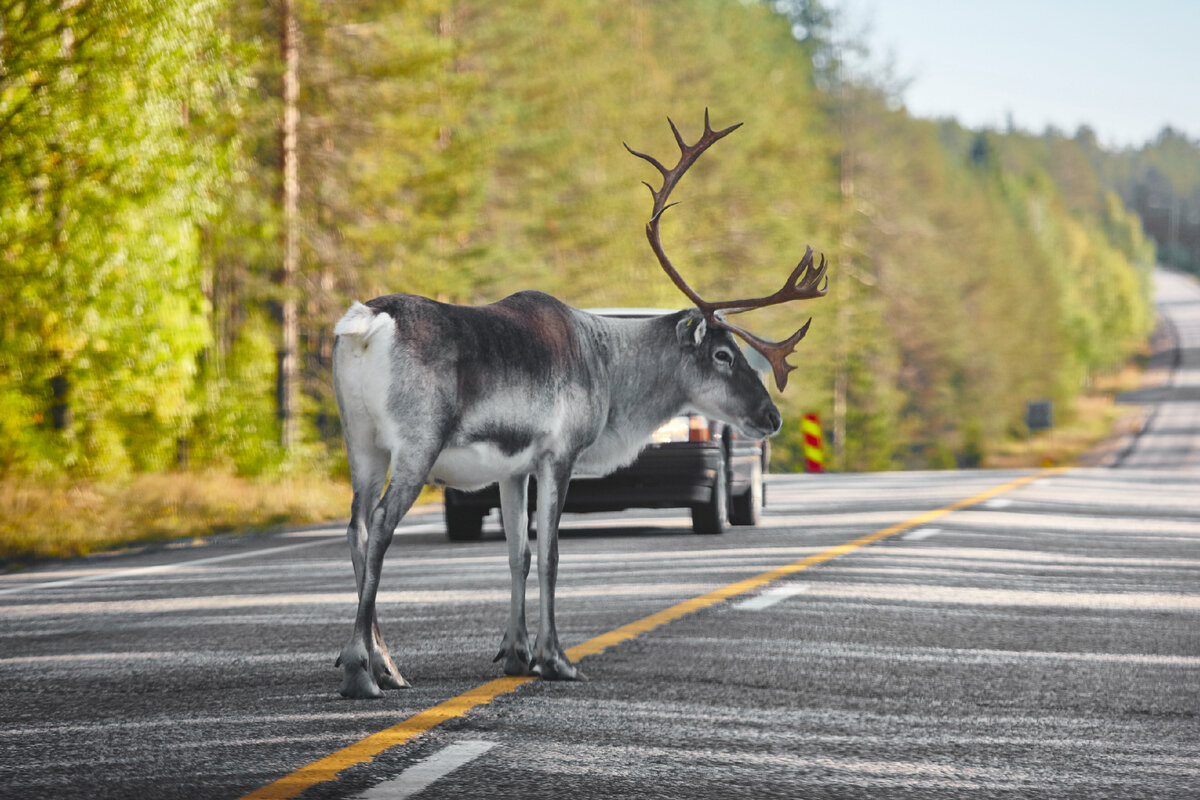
812, 282
657, 164
679, 137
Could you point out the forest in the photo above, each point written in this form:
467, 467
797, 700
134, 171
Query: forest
191, 193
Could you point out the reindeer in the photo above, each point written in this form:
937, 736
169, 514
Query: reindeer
465, 396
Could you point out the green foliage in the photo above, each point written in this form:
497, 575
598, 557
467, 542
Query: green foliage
384, 107
1160, 182
468, 150
565, 209
239, 422
102, 187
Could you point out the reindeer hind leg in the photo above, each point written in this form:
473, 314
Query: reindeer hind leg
368, 476
367, 666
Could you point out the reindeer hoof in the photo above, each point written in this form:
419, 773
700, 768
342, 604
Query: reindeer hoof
516, 657
389, 680
387, 676
357, 683
557, 669
514, 663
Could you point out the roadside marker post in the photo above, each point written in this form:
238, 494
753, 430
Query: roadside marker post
814, 443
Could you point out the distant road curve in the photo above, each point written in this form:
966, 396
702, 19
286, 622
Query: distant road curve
1170, 436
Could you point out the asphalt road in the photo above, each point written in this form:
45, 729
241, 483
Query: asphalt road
1044, 643
1041, 641
1168, 437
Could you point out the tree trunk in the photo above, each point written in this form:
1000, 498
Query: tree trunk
288, 383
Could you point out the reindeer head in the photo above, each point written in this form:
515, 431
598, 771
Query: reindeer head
805, 281
722, 383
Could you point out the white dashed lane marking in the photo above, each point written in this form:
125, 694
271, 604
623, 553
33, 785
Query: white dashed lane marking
425, 772
921, 533
772, 596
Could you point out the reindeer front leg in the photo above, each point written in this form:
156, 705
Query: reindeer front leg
514, 508
549, 660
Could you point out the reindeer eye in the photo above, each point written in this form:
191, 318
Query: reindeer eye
723, 357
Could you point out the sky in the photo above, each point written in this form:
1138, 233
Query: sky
1126, 68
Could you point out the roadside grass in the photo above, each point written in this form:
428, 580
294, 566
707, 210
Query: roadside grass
42, 519
1095, 423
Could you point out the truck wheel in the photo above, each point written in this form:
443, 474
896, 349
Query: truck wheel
746, 508
463, 523
709, 518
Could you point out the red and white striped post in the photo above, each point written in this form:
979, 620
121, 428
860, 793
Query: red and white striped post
814, 443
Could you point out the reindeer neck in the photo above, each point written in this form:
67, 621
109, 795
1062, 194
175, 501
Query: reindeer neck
643, 368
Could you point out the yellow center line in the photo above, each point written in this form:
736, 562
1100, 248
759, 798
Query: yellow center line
364, 750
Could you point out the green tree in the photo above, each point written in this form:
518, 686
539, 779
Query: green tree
467, 150
104, 180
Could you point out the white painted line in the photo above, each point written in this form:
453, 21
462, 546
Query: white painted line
423, 773
998, 502
921, 533
409, 529
138, 571
771, 596
927, 594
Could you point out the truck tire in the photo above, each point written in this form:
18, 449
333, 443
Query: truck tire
709, 518
463, 523
746, 508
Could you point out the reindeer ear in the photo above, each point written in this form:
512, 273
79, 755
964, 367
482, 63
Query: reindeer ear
691, 329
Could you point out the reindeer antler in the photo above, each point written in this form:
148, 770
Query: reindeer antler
804, 283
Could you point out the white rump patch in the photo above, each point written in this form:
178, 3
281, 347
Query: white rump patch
361, 321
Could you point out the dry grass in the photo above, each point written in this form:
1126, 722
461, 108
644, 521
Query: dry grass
1095, 421
41, 520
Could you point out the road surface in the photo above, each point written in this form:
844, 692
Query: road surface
1015, 634
1168, 438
